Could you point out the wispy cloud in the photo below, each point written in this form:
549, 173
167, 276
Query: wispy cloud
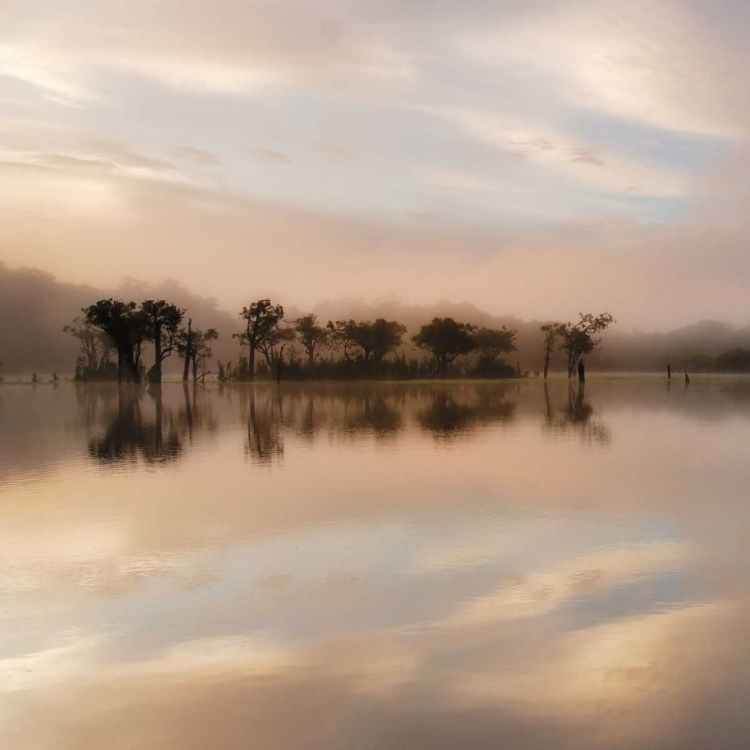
269, 156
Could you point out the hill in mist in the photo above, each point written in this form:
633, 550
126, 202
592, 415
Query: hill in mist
34, 307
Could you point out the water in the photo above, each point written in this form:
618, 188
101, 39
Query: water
382, 566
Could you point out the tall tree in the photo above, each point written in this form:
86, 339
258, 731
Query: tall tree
202, 351
551, 332
161, 326
261, 318
446, 339
578, 339
185, 346
310, 335
194, 348
123, 323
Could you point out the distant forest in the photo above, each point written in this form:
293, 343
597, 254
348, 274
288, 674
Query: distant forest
39, 334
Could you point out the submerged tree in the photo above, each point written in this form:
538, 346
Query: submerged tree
161, 323
310, 335
272, 348
446, 339
93, 361
194, 348
261, 318
123, 323
551, 332
578, 339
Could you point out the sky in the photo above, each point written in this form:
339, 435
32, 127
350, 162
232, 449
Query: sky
536, 158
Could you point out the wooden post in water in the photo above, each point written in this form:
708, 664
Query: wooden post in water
669, 372
687, 378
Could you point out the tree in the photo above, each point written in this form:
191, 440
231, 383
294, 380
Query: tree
272, 348
124, 325
96, 347
385, 337
372, 340
491, 343
551, 332
202, 351
578, 338
261, 319
310, 335
185, 347
341, 336
446, 339
194, 348
161, 321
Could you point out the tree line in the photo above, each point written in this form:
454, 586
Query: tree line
113, 335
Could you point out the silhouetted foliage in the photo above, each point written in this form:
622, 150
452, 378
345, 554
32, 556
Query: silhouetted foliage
194, 348
261, 319
578, 339
123, 323
161, 323
446, 339
311, 336
272, 348
93, 361
491, 343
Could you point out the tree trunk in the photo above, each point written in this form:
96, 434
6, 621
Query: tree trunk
120, 363
188, 350
195, 368
251, 363
158, 435
188, 410
156, 373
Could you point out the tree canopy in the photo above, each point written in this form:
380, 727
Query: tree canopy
446, 339
578, 339
261, 318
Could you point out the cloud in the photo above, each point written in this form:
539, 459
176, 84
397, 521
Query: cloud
196, 156
332, 153
269, 156
666, 66
559, 153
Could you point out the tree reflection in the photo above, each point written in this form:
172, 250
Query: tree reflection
373, 414
138, 430
265, 443
447, 417
576, 415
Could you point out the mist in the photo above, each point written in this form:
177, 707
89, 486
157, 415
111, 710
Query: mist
35, 307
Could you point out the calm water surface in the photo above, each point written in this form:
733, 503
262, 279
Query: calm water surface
384, 566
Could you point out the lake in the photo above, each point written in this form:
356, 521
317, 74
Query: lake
369, 566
